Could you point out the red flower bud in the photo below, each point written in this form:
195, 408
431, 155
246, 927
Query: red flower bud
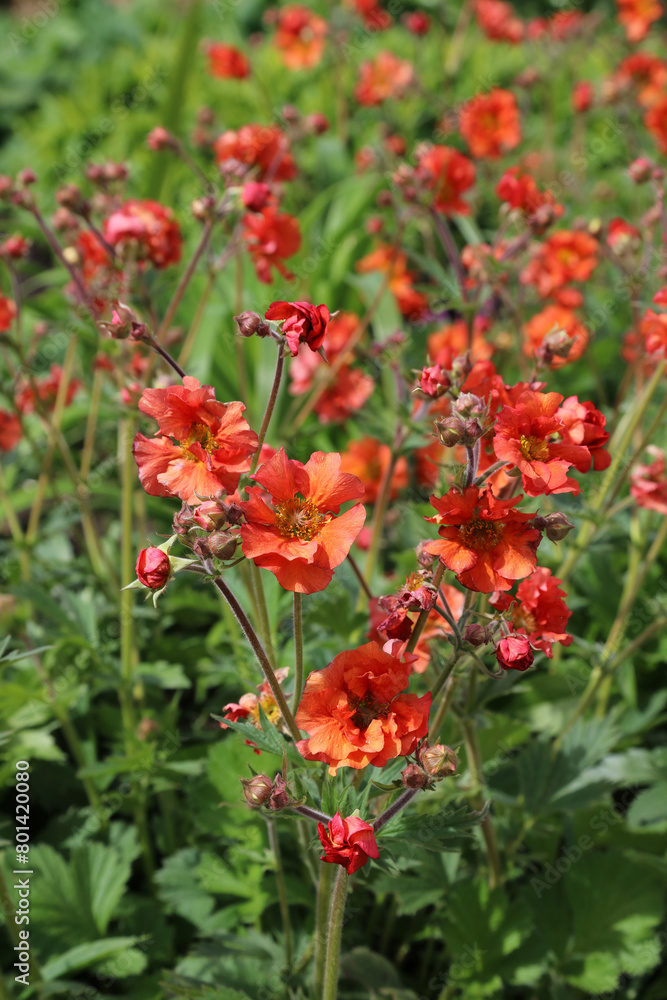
414, 776
514, 652
438, 761
153, 568
256, 790
256, 195
251, 323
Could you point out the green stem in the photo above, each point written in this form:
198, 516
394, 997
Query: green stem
181, 288
269, 406
125, 438
321, 924
282, 893
475, 763
436, 725
336, 913
262, 611
298, 651
260, 653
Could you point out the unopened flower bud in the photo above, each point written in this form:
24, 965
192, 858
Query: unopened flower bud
146, 727
449, 430
384, 199
6, 186
438, 761
26, 176
222, 544
477, 634
514, 652
640, 170
255, 195
69, 196
317, 123
414, 776
556, 344
256, 790
202, 209
251, 323
556, 526
153, 568
468, 406
160, 138
290, 114
280, 795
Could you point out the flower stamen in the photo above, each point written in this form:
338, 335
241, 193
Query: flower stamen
298, 518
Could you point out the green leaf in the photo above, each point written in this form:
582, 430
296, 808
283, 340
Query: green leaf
83, 955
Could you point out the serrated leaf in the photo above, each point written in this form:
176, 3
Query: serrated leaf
81, 956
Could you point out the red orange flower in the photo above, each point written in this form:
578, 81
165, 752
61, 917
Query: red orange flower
300, 36
211, 448
297, 538
538, 610
582, 96
648, 483
637, 16
264, 147
7, 312
354, 711
483, 540
348, 842
271, 237
10, 430
303, 323
384, 77
446, 343
368, 459
513, 652
490, 124
520, 191
549, 321
524, 437
44, 390
563, 257
653, 333
655, 120
583, 424
227, 62
448, 173
645, 72
410, 302
147, 229
498, 21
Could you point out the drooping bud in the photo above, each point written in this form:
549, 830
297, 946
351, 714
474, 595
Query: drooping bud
251, 323
514, 652
280, 794
556, 344
556, 526
415, 776
256, 790
434, 381
477, 634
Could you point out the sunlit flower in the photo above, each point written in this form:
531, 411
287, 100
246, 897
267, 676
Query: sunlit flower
520, 190
349, 842
297, 537
368, 459
211, 447
490, 124
513, 652
383, 77
303, 323
527, 435
482, 539
447, 173
355, 713
300, 36
264, 147
538, 611
147, 229
227, 62
583, 424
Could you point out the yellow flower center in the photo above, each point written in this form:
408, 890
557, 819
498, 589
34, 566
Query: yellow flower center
523, 619
298, 518
534, 448
480, 534
270, 709
199, 434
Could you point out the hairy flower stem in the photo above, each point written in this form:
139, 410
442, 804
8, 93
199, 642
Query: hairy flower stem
446, 672
395, 808
423, 615
262, 611
260, 653
57, 249
315, 814
475, 763
164, 354
450, 248
181, 288
321, 925
282, 892
617, 446
125, 438
443, 708
360, 576
269, 406
336, 914
298, 652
